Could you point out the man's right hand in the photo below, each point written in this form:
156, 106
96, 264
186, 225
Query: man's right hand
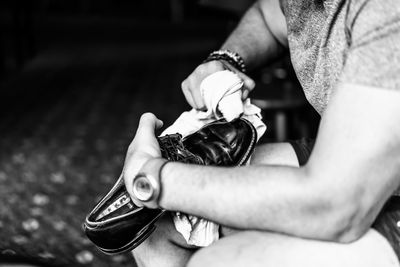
191, 85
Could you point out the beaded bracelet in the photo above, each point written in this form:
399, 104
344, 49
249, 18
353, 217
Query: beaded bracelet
232, 58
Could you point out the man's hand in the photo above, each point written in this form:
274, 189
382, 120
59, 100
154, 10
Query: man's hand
191, 85
260, 37
143, 148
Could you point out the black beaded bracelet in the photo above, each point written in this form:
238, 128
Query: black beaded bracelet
232, 58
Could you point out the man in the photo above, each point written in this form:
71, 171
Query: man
346, 54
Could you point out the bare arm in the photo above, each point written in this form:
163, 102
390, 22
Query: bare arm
353, 170
259, 38
260, 35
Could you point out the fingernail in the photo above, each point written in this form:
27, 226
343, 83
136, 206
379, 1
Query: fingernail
245, 94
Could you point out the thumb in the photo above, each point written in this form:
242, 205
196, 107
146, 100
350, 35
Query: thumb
148, 124
248, 83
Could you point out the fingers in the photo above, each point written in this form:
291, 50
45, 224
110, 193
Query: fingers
192, 95
191, 89
248, 83
248, 86
187, 94
148, 124
191, 85
145, 141
196, 94
143, 148
150, 120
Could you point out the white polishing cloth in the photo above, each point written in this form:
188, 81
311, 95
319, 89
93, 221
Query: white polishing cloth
222, 95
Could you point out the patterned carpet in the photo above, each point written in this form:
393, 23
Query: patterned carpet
64, 132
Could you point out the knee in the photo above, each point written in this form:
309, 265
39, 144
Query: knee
275, 154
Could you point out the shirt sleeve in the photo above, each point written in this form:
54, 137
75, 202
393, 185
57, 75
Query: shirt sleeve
374, 57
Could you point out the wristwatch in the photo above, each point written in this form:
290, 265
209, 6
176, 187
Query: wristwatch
146, 185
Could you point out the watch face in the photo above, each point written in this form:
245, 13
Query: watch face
142, 188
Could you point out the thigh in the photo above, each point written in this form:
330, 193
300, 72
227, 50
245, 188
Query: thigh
164, 247
166, 232
253, 248
268, 154
388, 223
275, 154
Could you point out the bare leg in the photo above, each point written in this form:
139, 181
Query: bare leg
165, 247
250, 248
275, 154
269, 154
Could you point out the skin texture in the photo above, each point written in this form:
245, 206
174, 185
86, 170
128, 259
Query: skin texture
345, 184
166, 247
260, 37
337, 194
352, 171
260, 249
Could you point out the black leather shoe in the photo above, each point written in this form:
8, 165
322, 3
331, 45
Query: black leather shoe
116, 225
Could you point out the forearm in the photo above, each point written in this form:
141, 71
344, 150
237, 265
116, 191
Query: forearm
279, 199
253, 38
352, 171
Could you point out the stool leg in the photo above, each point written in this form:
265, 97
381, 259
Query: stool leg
281, 126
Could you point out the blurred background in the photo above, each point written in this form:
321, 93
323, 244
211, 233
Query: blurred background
75, 76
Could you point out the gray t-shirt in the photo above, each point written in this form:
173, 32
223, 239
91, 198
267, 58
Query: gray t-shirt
351, 41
